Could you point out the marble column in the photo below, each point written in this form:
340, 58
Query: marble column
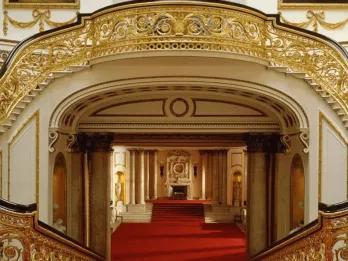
155, 174
132, 176
203, 155
147, 154
77, 213
141, 179
261, 161
100, 152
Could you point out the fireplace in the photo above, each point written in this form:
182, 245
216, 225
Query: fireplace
179, 192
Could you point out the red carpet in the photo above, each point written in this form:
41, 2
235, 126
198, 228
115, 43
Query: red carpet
177, 232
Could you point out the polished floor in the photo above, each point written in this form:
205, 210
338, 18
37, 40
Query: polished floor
180, 237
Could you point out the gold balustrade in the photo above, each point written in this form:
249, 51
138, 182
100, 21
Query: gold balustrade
174, 26
23, 238
326, 240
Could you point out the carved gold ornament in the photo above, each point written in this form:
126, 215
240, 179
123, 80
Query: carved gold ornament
158, 26
326, 240
39, 16
315, 19
22, 238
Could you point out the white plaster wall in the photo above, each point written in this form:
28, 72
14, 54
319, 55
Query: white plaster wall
334, 166
23, 166
223, 71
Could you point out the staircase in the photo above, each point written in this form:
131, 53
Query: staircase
178, 212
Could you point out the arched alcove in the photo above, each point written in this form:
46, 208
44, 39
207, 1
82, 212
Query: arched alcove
297, 193
60, 193
237, 189
120, 187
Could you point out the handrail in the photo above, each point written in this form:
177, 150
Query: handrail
19, 208
30, 239
319, 236
147, 26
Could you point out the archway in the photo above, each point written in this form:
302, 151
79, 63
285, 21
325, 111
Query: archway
297, 192
59, 185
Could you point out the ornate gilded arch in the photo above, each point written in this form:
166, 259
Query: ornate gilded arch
164, 26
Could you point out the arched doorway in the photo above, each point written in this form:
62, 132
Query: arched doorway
297, 193
60, 193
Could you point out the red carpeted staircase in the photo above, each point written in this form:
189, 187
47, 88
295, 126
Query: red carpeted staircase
177, 212
178, 233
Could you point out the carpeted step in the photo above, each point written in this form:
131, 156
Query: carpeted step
177, 212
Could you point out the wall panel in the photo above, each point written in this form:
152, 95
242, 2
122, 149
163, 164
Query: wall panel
332, 163
23, 162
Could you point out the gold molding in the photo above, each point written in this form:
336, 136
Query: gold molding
36, 117
172, 26
315, 19
42, 5
1, 172
323, 118
321, 6
39, 16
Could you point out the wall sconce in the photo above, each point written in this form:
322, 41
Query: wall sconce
162, 169
195, 167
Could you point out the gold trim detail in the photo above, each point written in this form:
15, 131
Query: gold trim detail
1, 172
172, 26
315, 19
39, 16
323, 118
36, 117
42, 4
321, 6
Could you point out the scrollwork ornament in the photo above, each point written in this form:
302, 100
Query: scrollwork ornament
52, 139
286, 141
304, 138
71, 141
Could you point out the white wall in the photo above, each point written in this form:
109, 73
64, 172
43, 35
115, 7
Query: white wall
22, 165
333, 165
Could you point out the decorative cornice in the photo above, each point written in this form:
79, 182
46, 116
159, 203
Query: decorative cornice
174, 26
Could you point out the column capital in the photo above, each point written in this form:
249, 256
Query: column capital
93, 142
270, 143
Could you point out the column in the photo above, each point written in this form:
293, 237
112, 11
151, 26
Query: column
147, 174
155, 173
141, 185
203, 155
100, 152
257, 195
132, 176
77, 206
261, 190
224, 177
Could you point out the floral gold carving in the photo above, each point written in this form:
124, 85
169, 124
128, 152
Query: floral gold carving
316, 18
22, 238
168, 26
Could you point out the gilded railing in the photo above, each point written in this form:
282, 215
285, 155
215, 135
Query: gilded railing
23, 238
326, 240
174, 25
